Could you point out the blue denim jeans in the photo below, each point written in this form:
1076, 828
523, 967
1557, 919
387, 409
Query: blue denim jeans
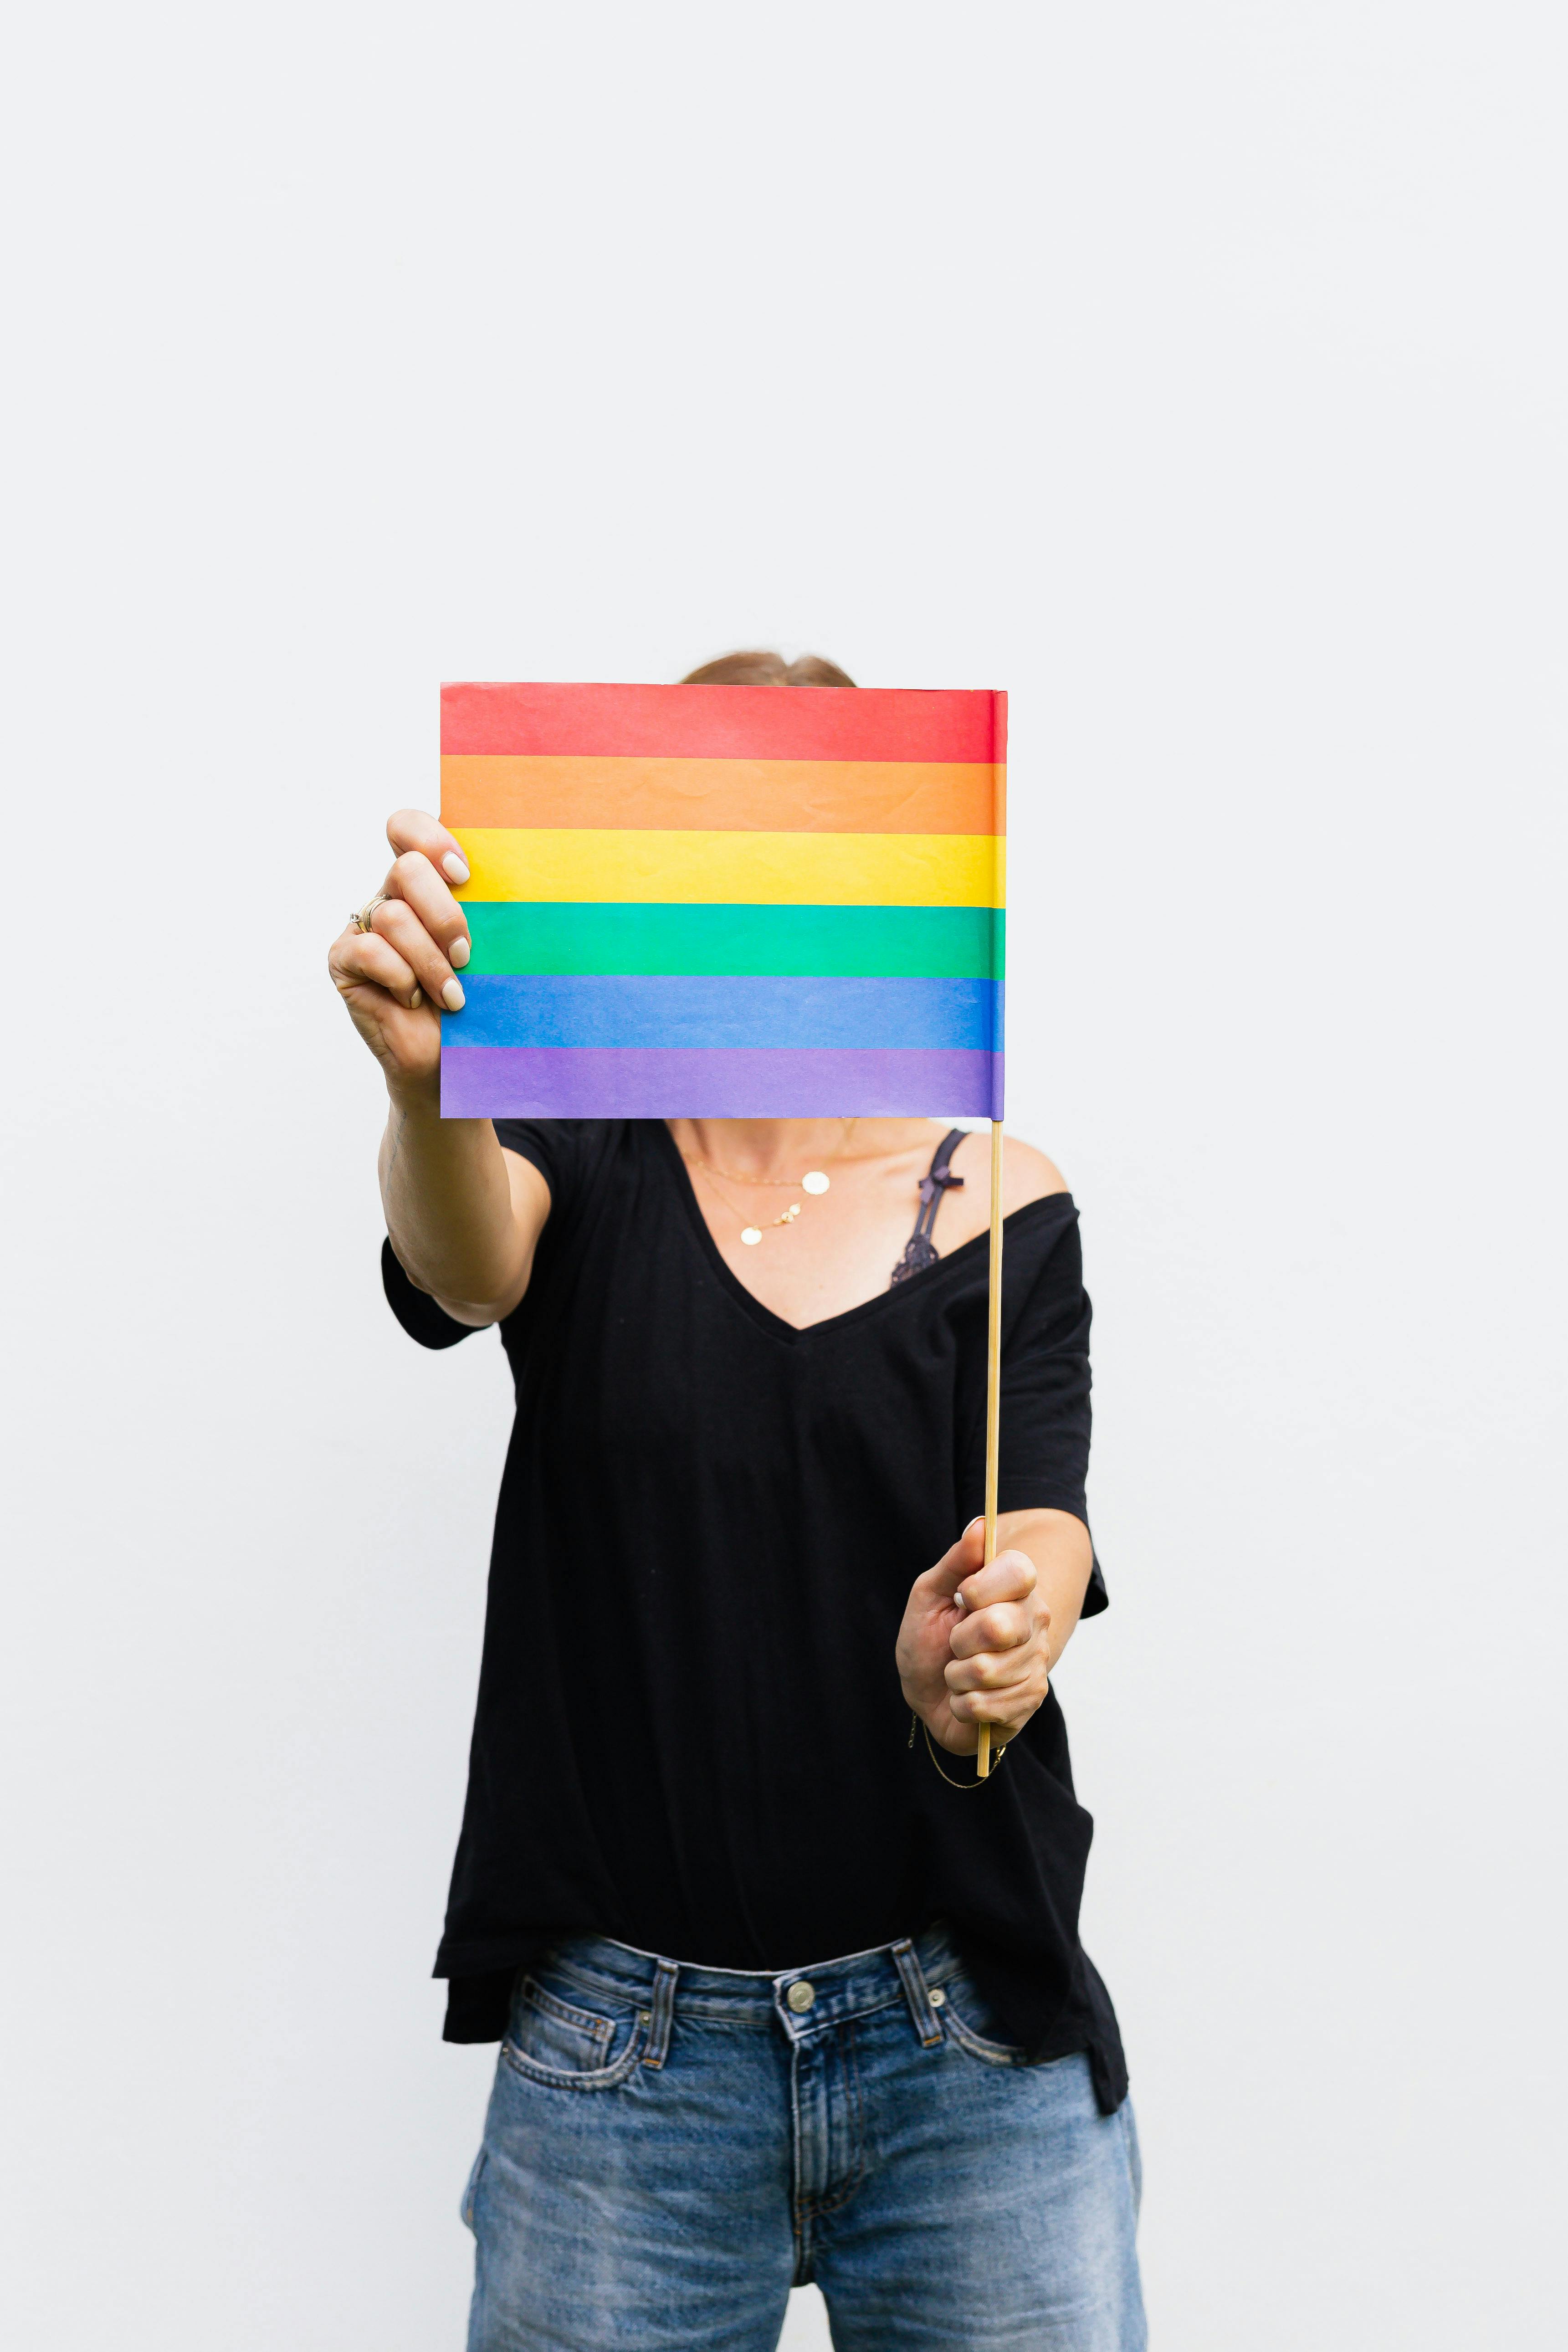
670, 2149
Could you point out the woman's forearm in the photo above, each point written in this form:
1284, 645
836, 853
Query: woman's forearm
463, 1214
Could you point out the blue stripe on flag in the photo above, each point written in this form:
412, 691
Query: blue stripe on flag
657, 1009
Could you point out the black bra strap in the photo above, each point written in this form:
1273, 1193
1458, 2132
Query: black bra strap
920, 1250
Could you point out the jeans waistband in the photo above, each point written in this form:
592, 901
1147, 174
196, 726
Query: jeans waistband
802, 2000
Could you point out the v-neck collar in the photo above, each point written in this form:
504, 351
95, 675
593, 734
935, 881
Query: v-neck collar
778, 1325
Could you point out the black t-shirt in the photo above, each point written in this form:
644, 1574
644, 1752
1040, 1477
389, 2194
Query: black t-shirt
691, 1733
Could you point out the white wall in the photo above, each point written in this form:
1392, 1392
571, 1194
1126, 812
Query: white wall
1196, 374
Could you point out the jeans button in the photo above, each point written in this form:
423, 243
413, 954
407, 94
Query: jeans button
800, 1996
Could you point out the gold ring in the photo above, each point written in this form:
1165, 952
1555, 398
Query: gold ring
362, 922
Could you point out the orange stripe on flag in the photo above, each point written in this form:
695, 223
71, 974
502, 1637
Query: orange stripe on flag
654, 795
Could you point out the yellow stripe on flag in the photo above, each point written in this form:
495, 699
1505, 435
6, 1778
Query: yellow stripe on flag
777, 869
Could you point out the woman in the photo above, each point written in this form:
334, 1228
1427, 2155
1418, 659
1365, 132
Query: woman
784, 1992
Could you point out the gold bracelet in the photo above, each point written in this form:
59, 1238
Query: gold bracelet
952, 1783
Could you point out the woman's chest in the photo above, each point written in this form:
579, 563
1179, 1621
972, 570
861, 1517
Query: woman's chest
807, 1258
654, 1352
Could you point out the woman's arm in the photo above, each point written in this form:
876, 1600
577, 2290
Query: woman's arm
978, 1643
464, 1215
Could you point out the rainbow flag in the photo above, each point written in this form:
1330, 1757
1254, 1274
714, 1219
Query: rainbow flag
726, 901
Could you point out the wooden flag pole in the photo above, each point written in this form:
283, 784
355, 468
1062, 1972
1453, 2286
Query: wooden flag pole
992, 1390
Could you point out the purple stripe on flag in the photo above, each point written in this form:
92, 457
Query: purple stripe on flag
718, 1082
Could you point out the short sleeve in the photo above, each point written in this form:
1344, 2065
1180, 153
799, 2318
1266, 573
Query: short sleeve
417, 1312
1045, 1415
561, 1149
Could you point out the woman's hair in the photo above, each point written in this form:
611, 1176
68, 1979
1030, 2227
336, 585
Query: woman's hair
768, 670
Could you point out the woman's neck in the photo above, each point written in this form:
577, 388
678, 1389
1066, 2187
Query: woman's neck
785, 1147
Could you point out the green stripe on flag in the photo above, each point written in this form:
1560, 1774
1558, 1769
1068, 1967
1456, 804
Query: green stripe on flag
537, 936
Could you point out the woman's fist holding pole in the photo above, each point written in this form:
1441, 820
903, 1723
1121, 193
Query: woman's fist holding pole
974, 1644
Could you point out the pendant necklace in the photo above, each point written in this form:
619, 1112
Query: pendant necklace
815, 1181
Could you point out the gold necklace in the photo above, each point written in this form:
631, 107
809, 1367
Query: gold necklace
815, 1181
751, 1235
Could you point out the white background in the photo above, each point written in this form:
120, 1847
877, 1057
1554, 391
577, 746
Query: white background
1197, 373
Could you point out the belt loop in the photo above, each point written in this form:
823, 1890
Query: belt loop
662, 2011
915, 1993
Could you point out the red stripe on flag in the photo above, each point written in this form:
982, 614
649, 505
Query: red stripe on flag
723, 722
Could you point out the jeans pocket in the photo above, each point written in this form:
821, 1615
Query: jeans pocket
969, 2023
553, 2040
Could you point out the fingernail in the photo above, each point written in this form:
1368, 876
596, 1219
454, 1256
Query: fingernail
458, 954
454, 867
452, 996
417, 999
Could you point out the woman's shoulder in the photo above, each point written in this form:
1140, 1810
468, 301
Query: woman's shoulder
1027, 1174
569, 1153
